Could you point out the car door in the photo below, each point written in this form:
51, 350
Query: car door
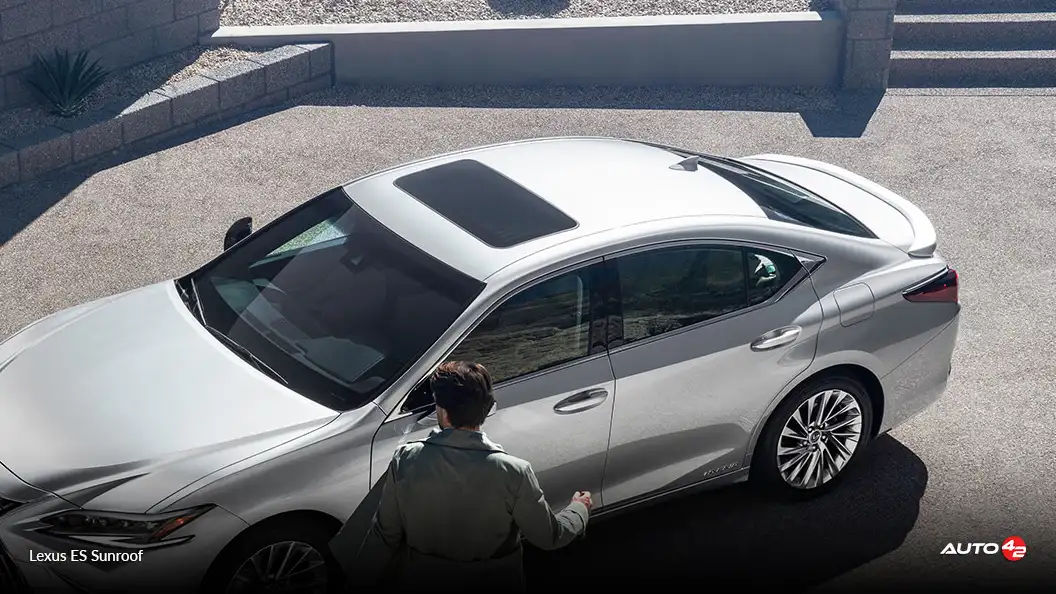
711, 333
545, 349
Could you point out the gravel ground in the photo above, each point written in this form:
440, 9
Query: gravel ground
286, 12
129, 83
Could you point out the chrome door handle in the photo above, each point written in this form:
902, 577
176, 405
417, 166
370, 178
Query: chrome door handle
581, 401
776, 338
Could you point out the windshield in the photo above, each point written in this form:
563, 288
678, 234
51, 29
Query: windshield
333, 302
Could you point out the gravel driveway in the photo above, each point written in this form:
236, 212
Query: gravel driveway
286, 12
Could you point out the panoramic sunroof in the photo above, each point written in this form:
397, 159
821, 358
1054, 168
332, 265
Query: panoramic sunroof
485, 203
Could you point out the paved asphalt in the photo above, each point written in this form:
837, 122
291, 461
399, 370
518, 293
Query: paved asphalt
978, 466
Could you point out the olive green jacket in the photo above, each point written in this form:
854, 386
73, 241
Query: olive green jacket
453, 509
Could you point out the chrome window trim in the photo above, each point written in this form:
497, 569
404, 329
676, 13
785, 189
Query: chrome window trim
787, 288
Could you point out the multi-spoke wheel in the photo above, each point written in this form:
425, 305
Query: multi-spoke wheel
288, 555
288, 566
813, 435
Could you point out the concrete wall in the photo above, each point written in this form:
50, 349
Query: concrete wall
120, 32
782, 49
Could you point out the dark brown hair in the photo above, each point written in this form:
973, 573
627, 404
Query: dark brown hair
463, 389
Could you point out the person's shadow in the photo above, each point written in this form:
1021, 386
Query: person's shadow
738, 535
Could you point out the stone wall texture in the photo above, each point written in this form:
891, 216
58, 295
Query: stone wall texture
213, 97
870, 27
118, 32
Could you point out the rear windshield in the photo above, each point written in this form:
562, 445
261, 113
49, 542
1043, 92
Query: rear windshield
782, 201
490, 206
334, 302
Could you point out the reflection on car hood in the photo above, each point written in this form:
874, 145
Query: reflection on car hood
133, 390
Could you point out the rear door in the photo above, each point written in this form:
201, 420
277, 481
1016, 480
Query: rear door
544, 347
711, 333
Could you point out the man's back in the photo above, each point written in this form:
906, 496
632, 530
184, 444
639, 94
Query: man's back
456, 502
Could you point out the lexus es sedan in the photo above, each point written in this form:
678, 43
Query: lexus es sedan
655, 320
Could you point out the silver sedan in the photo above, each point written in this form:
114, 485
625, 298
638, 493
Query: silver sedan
656, 320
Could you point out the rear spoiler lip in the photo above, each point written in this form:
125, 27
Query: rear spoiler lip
924, 240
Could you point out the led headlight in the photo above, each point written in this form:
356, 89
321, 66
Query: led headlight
121, 529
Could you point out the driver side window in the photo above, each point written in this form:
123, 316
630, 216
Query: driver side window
545, 325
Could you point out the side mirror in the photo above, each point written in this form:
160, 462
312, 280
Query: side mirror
238, 231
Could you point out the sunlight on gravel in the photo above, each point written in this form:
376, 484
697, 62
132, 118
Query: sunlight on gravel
285, 12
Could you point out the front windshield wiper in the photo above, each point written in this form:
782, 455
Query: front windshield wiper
246, 354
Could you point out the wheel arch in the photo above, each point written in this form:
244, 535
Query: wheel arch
319, 518
874, 390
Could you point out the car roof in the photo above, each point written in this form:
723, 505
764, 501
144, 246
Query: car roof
600, 183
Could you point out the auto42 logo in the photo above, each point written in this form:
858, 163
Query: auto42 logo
1013, 548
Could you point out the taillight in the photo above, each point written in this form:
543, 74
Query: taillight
942, 289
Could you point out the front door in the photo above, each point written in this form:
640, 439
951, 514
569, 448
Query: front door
692, 375
554, 386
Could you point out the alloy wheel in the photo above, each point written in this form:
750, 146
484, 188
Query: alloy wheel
819, 438
289, 566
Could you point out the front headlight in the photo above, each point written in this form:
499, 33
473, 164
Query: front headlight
139, 531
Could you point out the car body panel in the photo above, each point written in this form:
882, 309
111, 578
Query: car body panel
687, 401
166, 379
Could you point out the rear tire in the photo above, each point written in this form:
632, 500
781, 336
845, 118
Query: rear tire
285, 555
813, 437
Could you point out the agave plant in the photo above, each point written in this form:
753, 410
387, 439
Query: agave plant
65, 82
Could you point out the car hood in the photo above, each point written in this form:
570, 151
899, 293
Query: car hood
132, 392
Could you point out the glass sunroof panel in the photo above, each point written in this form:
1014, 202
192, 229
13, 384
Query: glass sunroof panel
487, 204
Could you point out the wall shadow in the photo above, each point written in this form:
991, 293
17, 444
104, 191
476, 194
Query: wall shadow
534, 8
738, 535
22, 203
826, 112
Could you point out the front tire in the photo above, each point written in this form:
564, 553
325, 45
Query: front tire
813, 437
283, 556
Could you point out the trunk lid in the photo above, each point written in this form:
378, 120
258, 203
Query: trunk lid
889, 216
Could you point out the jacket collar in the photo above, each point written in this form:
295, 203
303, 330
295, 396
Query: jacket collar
462, 439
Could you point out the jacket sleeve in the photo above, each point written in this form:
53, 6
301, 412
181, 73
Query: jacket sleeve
385, 537
541, 526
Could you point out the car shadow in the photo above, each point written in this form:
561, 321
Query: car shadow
738, 535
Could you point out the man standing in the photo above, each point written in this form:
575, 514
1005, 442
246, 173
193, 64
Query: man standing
454, 505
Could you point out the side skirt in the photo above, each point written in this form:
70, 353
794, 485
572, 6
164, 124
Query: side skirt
635, 503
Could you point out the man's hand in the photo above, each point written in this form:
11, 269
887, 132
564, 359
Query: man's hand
584, 498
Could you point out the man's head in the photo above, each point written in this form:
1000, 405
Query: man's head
463, 394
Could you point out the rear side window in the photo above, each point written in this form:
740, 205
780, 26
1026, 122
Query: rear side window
667, 289
543, 326
487, 204
768, 272
784, 202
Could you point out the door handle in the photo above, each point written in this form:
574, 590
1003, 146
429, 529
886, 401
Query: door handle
776, 338
581, 401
